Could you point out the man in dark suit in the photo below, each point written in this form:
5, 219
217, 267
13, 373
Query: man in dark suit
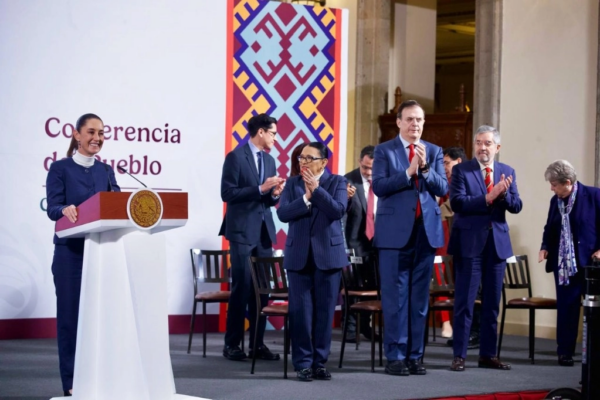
481, 191
250, 188
408, 174
313, 203
359, 227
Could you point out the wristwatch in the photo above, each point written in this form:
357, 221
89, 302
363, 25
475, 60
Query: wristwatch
424, 169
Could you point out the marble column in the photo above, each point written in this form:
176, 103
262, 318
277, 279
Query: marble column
488, 53
372, 69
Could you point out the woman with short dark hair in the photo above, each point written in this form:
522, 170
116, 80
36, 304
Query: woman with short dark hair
313, 203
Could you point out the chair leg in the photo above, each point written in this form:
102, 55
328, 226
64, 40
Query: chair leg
501, 331
254, 344
243, 338
434, 325
357, 329
379, 321
531, 333
204, 329
344, 334
372, 342
286, 345
193, 320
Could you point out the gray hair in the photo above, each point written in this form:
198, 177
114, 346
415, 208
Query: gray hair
489, 128
560, 171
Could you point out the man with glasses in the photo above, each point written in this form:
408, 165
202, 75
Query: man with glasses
250, 188
481, 192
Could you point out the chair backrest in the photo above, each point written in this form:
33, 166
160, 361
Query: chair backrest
268, 275
356, 276
516, 275
209, 266
442, 277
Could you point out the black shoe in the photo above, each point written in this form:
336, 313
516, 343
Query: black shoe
458, 364
304, 375
565, 361
367, 336
66, 393
233, 353
397, 367
321, 374
264, 354
415, 367
492, 363
473, 342
351, 338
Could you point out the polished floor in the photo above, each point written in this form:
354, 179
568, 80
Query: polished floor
29, 370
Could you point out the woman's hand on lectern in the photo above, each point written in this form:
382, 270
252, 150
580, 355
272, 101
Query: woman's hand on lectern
70, 212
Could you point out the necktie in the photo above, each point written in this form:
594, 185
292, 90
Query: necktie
443, 199
370, 228
261, 170
489, 185
411, 154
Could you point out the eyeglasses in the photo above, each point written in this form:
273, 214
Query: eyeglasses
273, 134
308, 159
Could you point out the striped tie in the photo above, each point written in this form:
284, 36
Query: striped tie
489, 185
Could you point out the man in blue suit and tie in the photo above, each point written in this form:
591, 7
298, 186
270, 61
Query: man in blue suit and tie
250, 188
408, 174
481, 191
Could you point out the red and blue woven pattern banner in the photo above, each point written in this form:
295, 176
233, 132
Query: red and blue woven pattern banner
286, 60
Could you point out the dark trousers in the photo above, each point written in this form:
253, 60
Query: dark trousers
242, 290
67, 265
405, 276
313, 296
568, 302
488, 270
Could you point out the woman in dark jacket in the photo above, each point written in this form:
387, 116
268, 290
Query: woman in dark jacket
70, 182
571, 240
313, 203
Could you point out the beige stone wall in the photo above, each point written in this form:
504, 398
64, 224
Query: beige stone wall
412, 56
547, 112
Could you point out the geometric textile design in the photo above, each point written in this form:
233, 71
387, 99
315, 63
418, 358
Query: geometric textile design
283, 60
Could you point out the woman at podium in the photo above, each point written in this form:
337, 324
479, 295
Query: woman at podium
70, 182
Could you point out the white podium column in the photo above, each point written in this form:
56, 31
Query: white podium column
122, 337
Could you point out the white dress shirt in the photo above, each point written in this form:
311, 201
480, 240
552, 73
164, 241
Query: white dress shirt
483, 167
366, 186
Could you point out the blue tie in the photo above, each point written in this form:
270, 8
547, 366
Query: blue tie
261, 170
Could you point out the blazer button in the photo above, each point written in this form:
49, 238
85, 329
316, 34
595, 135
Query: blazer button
87, 170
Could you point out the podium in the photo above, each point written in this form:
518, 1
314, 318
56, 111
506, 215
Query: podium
122, 334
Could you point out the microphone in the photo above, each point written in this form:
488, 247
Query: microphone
110, 188
123, 170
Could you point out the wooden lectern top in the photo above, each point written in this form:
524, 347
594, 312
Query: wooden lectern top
108, 210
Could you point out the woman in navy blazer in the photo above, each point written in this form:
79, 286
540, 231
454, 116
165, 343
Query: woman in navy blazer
70, 182
569, 243
313, 203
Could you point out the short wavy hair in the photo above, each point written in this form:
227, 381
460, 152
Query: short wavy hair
560, 171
